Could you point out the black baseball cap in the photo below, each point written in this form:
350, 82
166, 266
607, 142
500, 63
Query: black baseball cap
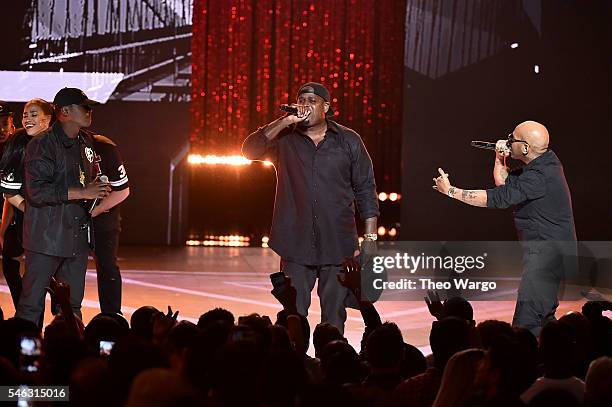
73, 96
319, 90
5, 109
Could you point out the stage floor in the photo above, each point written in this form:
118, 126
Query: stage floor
196, 279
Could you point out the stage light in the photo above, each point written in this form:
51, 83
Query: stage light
382, 230
265, 239
382, 196
233, 160
392, 232
393, 196
536, 68
514, 45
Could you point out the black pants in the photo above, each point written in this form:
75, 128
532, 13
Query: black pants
10, 267
39, 269
108, 273
333, 296
545, 266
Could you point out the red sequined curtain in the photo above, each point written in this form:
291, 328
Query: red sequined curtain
250, 56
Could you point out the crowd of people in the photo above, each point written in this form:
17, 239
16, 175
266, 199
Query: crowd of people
155, 360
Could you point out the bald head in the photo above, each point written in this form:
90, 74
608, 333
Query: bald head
535, 134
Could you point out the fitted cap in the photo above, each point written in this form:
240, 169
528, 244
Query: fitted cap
5, 109
73, 96
319, 90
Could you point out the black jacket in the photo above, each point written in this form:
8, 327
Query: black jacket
53, 225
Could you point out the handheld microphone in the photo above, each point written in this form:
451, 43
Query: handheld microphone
289, 109
102, 178
483, 144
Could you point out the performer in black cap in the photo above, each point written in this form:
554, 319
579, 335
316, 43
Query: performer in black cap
322, 170
60, 185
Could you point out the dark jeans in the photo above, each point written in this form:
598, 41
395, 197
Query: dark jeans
334, 298
10, 267
544, 268
108, 273
39, 269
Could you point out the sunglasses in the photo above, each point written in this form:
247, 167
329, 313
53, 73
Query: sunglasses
511, 140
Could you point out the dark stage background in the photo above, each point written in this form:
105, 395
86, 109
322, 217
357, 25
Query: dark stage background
251, 56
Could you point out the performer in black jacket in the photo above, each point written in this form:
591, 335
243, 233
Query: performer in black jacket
60, 184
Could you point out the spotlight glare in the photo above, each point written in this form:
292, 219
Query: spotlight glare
536, 68
393, 196
514, 45
210, 159
382, 230
382, 196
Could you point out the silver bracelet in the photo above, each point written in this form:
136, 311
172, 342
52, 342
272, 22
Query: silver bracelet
451, 192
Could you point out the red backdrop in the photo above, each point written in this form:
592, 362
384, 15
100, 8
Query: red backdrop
249, 56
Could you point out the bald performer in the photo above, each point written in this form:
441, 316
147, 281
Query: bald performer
542, 205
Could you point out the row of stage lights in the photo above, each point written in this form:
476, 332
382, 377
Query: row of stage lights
238, 160
392, 196
223, 241
245, 241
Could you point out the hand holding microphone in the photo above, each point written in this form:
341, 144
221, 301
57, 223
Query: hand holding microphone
297, 113
501, 147
97, 190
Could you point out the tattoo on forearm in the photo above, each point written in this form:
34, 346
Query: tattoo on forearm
467, 194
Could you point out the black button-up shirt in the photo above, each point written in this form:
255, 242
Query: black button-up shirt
317, 187
53, 225
543, 205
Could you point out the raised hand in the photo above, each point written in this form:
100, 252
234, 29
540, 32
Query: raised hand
442, 183
436, 308
286, 295
162, 324
59, 291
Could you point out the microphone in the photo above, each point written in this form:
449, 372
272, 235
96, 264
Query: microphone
483, 144
289, 109
102, 178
